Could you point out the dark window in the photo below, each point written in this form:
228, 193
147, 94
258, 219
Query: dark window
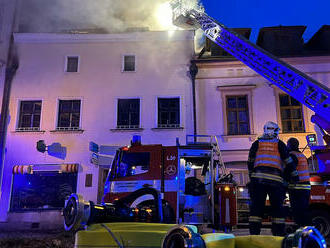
41, 191
129, 63
29, 115
128, 113
72, 64
133, 163
291, 115
238, 122
69, 114
168, 112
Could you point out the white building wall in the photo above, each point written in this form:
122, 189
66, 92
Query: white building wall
216, 74
162, 62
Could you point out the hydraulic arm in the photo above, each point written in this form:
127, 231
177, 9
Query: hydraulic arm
303, 88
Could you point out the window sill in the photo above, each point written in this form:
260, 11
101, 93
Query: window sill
227, 138
28, 131
67, 131
126, 129
299, 134
166, 128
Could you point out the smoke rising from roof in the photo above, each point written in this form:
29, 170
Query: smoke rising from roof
107, 15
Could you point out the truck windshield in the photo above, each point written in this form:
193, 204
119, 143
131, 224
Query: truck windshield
132, 163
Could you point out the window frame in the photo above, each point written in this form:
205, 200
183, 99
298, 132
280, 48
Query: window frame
66, 63
57, 128
123, 63
45, 170
169, 126
117, 114
291, 108
306, 114
18, 119
232, 90
236, 110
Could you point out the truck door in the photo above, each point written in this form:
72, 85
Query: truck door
133, 169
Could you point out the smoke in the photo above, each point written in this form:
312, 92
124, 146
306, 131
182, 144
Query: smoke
103, 15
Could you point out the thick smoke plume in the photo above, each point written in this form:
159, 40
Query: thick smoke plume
103, 15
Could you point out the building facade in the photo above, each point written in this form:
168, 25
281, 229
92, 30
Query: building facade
76, 97
74, 89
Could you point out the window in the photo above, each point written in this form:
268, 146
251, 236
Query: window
42, 190
29, 116
72, 63
129, 63
68, 115
237, 115
133, 163
291, 114
168, 112
128, 113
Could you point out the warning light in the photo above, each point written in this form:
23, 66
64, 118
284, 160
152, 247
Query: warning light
227, 188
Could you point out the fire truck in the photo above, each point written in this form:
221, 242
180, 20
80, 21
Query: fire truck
174, 170
194, 187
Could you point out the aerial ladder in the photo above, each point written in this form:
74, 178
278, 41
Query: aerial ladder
298, 85
303, 88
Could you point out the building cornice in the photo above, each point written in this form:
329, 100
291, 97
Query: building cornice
214, 63
177, 35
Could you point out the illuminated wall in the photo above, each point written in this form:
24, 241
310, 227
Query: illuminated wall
217, 79
162, 62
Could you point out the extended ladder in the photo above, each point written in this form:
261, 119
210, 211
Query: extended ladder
303, 88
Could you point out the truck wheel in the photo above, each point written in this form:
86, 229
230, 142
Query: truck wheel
321, 220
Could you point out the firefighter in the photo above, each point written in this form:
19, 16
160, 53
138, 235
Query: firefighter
299, 192
268, 156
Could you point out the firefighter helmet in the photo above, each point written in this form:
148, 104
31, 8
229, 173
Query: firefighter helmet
271, 129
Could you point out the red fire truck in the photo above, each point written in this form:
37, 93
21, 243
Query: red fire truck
190, 178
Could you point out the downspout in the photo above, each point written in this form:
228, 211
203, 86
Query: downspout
193, 70
11, 66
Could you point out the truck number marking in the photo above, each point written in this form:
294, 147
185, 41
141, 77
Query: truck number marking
170, 158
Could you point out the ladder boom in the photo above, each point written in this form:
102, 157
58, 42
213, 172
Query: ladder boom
295, 83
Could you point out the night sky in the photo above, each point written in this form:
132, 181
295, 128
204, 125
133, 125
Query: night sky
266, 13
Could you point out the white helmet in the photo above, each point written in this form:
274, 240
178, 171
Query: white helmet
271, 129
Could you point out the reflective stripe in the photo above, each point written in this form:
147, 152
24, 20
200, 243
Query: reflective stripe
294, 173
267, 176
266, 162
288, 160
302, 167
268, 154
130, 186
299, 186
278, 220
255, 219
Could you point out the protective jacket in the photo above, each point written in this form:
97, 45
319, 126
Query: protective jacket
266, 159
302, 170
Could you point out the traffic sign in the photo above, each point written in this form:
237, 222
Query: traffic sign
95, 158
93, 147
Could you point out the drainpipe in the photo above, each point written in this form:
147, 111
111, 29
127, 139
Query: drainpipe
193, 70
11, 65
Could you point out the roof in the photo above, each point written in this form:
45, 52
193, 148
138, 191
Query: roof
282, 40
320, 40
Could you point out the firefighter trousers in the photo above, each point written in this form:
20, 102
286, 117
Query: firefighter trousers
299, 201
258, 193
